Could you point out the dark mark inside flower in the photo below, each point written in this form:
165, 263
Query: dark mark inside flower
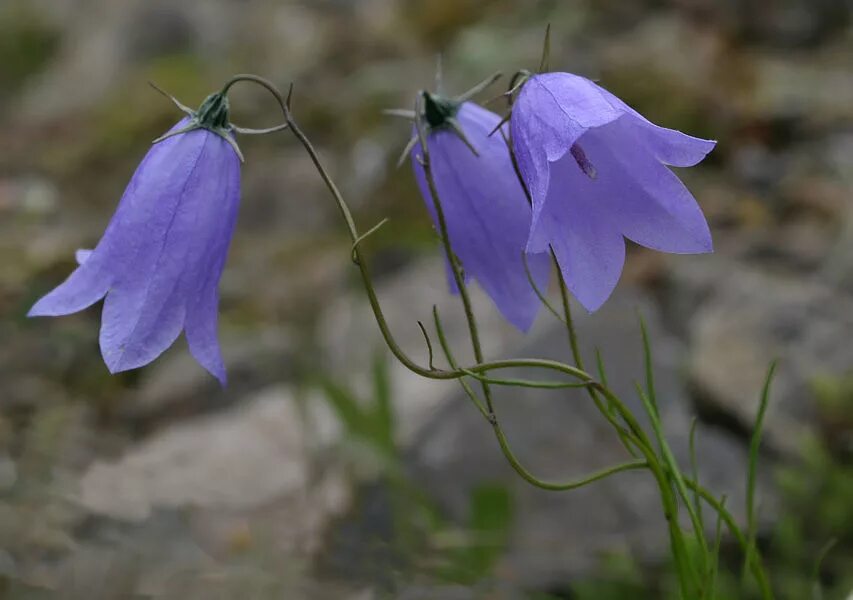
583, 162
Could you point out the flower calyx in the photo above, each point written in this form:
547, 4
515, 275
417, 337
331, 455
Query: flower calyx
212, 115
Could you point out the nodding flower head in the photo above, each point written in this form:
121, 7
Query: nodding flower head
598, 172
159, 262
486, 212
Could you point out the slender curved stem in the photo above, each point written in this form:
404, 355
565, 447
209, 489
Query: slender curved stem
352, 230
458, 277
354, 235
504, 444
528, 383
634, 433
448, 355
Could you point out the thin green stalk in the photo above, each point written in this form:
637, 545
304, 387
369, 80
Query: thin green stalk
752, 471
448, 355
636, 434
474, 333
354, 235
527, 383
694, 466
688, 578
539, 293
715, 557
648, 366
755, 561
675, 473
458, 278
817, 590
603, 408
504, 444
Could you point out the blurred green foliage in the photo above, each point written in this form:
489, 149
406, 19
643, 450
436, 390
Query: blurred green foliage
809, 549
461, 553
27, 43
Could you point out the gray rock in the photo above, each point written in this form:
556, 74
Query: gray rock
237, 460
749, 319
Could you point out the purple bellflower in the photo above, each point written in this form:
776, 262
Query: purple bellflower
485, 208
159, 261
597, 173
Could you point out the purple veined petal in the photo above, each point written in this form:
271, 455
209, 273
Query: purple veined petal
145, 309
203, 309
487, 214
90, 282
669, 146
644, 200
84, 287
202, 334
552, 112
589, 249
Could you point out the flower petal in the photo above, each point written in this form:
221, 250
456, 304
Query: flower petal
672, 147
85, 286
589, 249
203, 309
644, 199
552, 111
487, 213
203, 335
146, 307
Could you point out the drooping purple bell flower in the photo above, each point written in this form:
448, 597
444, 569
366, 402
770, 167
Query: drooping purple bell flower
597, 173
485, 208
160, 259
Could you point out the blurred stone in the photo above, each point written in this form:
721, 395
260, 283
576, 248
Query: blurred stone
30, 196
817, 91
157, 29
8, 472
241, 459
749, 318
783, 23
176, 387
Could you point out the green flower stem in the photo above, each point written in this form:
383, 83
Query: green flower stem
689, 579
458, 278
528, 383
640, 441
575, 346
634, 433
755, 562
356, 238
448, 354
504, 444
475, 337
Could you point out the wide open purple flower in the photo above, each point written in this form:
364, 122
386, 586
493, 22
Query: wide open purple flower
486, 211
162, 254
597, 172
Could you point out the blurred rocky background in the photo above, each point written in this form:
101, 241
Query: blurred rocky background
325, 470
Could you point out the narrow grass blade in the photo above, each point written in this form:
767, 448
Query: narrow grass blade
648, 364
675, 473
754, 447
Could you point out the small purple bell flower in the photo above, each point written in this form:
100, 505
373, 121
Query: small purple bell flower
597, 173
159, 261
485, 208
